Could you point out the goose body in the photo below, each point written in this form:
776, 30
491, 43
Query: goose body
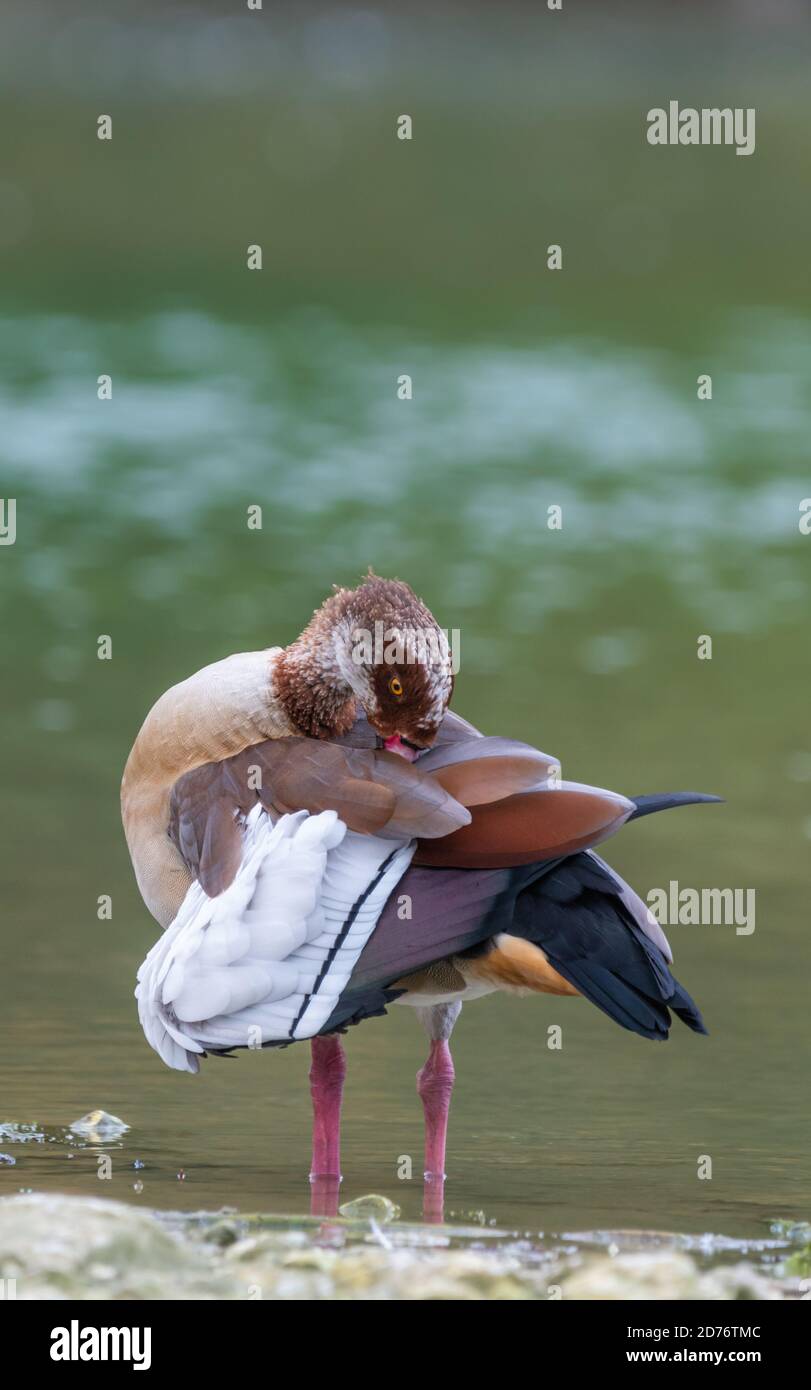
305, 883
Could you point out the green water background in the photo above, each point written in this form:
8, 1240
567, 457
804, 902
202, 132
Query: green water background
531, 388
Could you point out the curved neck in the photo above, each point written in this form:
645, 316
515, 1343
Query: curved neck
215, 714
312, 686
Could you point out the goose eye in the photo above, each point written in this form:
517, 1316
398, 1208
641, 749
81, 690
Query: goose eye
396, 687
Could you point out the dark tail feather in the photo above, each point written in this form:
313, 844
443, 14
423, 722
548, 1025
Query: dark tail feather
686, 1009
586, 921
627, 1006
663, 801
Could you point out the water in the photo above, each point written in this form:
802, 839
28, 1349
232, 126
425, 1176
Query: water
132, 523
680, 519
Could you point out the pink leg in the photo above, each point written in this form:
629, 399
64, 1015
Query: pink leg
434, 1087
327, 1074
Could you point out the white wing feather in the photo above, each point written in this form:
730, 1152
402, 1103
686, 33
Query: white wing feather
267, 960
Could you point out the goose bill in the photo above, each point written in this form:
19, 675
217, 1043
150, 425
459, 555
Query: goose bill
396, 744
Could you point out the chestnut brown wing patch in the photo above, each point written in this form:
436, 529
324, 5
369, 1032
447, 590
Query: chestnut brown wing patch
529, 827
478, 770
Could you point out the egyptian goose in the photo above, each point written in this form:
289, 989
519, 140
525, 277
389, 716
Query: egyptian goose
319, 838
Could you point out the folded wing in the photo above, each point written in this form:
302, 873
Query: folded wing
267, 959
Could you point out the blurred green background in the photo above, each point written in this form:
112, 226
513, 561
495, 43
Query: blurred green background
233, 388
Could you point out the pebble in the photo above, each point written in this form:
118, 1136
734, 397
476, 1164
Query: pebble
370, 1207
98, 1124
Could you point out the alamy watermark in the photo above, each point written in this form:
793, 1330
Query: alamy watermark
711, 125
76, 1343
710, 907
406, 646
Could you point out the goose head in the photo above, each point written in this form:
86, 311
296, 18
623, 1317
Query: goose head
375, 649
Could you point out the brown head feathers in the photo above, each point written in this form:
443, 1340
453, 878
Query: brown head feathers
376, 648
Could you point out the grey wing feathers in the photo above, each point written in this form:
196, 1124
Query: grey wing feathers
372, 791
